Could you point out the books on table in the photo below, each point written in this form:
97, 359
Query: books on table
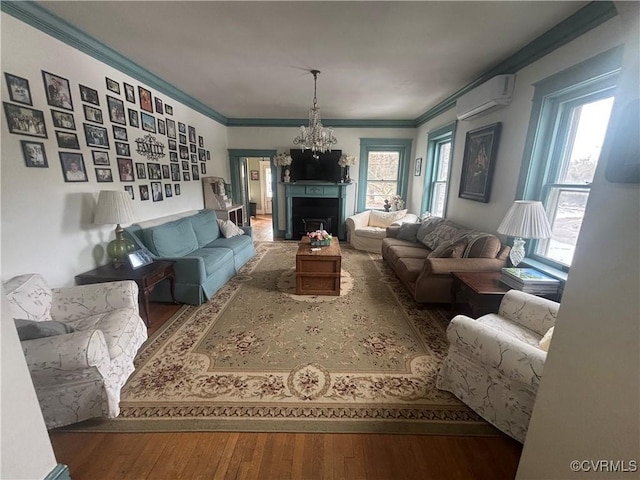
529, 280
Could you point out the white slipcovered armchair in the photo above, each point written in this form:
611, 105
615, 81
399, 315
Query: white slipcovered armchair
365, 230
82, 354
495, 363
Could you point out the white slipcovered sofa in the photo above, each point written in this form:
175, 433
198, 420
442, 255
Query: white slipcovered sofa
365, 230
495, 363
79, 343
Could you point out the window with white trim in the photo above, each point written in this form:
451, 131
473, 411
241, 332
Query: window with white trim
436, 181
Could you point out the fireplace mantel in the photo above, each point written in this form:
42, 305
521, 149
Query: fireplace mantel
316, 190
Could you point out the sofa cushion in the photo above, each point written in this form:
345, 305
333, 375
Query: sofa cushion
229, 229
205, 226
236, 243
408, 231
409, 268
396, 252
384, 219
30, 329
214, 258
427, 226
174, 239
29, 297
371, 232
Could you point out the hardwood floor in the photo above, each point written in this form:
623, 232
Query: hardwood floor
222, 455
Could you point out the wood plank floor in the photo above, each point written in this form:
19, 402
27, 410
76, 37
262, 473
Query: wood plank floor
279, 456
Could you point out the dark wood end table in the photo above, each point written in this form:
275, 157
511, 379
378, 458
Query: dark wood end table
146, 277
482, 291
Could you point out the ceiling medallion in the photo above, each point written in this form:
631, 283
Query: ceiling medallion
149, 147
315, 138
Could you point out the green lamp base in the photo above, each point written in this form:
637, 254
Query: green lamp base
119, 248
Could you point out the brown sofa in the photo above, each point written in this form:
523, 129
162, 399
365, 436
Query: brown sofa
424, 255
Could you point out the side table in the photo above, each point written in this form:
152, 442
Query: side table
146, 277
481, 290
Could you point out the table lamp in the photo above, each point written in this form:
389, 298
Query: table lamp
115, 207
525, 219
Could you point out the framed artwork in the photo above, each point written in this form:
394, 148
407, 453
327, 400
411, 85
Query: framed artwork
73, 167
19, 90
418, 168
183, 138
184, 152
116, 110
25, 120
159, 108
172, 145
173, 156
255, 175
96, 136
67, 140
120, 133
203, 168
186, 176
104, 175
154, 171
100, 158
175, 172
165, 171
202, 155
156, 191
176, 187
112, 85
63, 120
129, 190
89, 95
148, 122
34, 154
92, 114
162, 127
144, 192
129, 93
125, 169
208, 155
168, 190
195, 173
57, 90
192, 134
145, 99
123, 149
171, 128
141, 171
478, 162
200, 141
185, 165
192, 147
182, 128
133, 118
194, 158
168, 109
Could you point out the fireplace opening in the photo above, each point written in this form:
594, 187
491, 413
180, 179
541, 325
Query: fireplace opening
308, 213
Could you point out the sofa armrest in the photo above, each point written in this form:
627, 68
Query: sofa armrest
72, 351
248, 230
72, 303
536, 313
408, 218
358, 220
513, 358
188, 269
440, 266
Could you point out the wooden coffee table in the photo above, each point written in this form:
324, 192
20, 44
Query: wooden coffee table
318, 270
482, 291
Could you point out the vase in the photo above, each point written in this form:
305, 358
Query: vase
321, 243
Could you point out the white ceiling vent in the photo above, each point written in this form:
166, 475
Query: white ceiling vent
491, 95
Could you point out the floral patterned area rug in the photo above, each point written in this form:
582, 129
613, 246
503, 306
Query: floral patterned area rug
258, 357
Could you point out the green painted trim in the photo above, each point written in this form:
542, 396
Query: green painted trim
334, 123
40, 18
60, 472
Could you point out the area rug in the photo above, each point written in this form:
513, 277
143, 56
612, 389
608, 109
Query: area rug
258, 357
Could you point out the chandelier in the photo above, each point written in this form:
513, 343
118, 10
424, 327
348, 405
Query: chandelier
315, 138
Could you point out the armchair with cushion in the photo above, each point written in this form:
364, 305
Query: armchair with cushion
79, 343
495, 363
365, 230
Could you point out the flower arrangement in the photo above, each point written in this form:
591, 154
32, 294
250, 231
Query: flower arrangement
320, 237
397, 203
282, 159
347, 160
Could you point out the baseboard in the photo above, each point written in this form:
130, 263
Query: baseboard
60, 472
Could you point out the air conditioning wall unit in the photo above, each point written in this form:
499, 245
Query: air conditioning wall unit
488, 97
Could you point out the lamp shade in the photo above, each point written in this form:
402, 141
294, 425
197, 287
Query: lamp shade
526, 219
114, 208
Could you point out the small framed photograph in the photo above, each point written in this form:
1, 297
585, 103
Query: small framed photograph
144, 192
34, 154
186, 176
112, 85
92, 114
138, 259
478, 162
202, 155
89, 95
104, 175
129, 93
200, 141
184, 152
25, 120
63, 120
100, 158
173, 156
116, 110
67, 140
141, 171
159, 108
182, 128
194, 158
96, 136
176, 187
185, 165
168, 190
19, 90
120, 133
183, 139
175, 172
161, 127
145, 99
58, 91
123, 149
192, 147
172, 145
73, 167
165, 171
156, 191
133, 118
254, 175
208, 155
418, 168
129, 190
168, 109
171, 128
195, 173
192, 134
148, 122
125, 169
203, 168
154, 171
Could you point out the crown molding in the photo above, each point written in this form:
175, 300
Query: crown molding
331, 122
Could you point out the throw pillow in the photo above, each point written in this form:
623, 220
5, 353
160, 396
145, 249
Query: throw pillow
29, 330
229, 229
384, 219
443, 250
545, 341
408, 231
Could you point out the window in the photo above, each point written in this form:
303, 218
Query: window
383, 171
436, 179
572, 111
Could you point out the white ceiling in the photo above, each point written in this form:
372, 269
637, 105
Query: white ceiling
379, 60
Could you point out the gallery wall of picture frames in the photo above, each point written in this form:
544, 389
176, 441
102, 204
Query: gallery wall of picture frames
126, 118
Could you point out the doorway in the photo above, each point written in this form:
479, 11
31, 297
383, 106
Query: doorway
266, 188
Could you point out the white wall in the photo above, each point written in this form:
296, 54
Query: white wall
588, 404
47, 223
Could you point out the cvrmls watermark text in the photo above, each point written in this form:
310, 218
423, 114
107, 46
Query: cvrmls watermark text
602, 466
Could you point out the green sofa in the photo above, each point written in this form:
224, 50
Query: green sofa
204, 259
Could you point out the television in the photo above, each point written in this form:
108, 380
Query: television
305, 168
